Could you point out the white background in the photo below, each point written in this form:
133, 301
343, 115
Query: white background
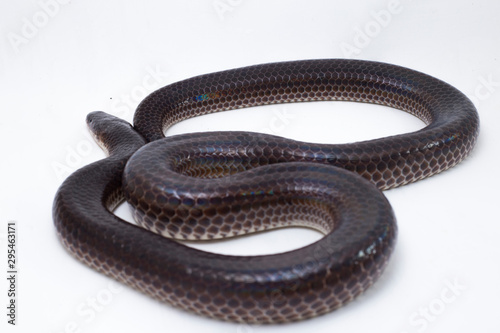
61, 60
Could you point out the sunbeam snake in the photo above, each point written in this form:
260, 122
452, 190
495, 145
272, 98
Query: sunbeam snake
223, 184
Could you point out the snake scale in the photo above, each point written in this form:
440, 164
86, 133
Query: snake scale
222, 184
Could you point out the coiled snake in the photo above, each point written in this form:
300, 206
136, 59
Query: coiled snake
222, 184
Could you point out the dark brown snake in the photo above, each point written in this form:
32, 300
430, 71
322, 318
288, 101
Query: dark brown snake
222, 184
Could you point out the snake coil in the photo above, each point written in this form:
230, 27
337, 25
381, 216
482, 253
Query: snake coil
224, 184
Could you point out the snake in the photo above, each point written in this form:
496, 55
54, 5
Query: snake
214, 185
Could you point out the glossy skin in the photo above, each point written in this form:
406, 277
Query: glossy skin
222, 184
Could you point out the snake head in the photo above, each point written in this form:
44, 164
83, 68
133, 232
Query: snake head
109, 132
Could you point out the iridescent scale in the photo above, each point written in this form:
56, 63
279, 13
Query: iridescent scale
224, 184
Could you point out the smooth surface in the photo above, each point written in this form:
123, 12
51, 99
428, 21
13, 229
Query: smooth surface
213, 185
71, 67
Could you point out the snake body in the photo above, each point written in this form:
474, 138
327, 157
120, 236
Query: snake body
223, 184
